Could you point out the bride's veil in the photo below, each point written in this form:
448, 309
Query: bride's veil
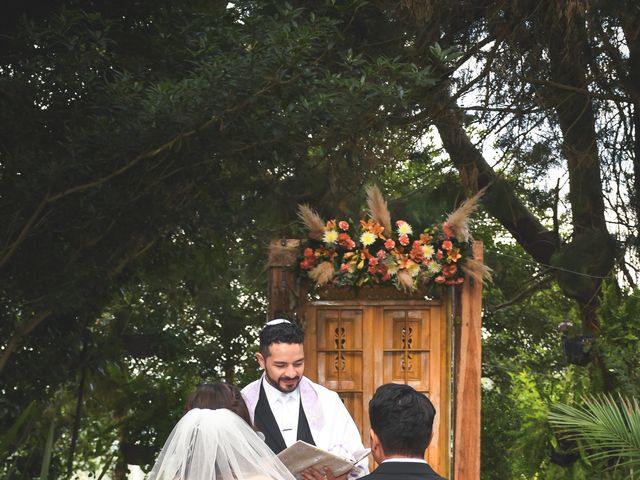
216, 445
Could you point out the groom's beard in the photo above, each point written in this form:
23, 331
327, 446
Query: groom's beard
284, 384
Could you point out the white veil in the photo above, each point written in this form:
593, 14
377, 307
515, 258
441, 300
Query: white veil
216, 445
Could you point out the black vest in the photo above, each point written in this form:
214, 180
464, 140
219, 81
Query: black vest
266, 423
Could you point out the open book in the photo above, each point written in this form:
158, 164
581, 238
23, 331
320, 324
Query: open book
301, 455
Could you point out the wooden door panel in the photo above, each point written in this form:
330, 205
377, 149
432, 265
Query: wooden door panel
339, 349
360, 345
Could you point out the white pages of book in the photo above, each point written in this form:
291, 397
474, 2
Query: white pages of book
301, 456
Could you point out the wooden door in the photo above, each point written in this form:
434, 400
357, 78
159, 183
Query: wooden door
354, 346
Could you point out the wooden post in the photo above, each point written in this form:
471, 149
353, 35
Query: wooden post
283, 293
468, 370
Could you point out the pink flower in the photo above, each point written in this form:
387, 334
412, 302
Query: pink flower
343, 225
439, 279
404, 240
308, 252
447, 245
449, 270
344, 267
389, 244
381, 253
373, 261
439, 254
400, 222
448, 231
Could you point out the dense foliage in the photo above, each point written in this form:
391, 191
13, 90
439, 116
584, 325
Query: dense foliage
150, 150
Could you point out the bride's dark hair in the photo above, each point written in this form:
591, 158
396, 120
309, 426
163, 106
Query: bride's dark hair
219, 395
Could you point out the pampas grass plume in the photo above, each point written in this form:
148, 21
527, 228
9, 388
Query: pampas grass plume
405, 280
378, 208
313, 221
322, 273
477, 269
458, 221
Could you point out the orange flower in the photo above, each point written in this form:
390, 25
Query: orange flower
373, 227
447, 245
344, 240
448, 231
425, 238
454, 255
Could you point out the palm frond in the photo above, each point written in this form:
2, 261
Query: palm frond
608, 429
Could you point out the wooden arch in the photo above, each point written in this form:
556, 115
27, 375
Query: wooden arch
356, 342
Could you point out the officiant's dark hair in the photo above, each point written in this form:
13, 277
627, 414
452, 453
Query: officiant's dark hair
402, 419
285, 332
219, 395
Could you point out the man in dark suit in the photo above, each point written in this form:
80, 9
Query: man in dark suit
401, 424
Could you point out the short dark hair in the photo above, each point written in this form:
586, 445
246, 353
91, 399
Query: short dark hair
280, 333
402, 419
219, 395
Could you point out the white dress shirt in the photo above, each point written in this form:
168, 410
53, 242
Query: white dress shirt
405, 460
330, 423
286, 410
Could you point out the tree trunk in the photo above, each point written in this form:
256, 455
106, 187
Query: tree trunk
500, 199
591, 250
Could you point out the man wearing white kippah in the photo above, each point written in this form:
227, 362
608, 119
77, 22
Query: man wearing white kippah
286, 406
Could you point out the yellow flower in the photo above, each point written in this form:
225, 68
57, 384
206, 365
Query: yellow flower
392, 266
330, 236
427, 251
404, 228
367, 238
413, 268
434, 267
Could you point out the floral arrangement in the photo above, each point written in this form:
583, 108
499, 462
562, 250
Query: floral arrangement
373, 252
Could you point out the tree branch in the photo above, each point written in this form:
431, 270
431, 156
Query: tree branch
544, 280
500, 199
24, 329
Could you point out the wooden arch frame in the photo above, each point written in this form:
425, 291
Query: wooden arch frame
286, 298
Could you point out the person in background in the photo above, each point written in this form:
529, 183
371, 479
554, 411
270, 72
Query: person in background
214, 440
218, 395
401, 428
286, 406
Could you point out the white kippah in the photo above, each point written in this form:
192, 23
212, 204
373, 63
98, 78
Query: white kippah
276, 321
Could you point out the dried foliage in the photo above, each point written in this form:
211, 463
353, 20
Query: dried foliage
458, 221
322, 273
378, 208
313, 221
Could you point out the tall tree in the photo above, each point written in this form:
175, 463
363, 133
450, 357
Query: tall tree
537, 87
